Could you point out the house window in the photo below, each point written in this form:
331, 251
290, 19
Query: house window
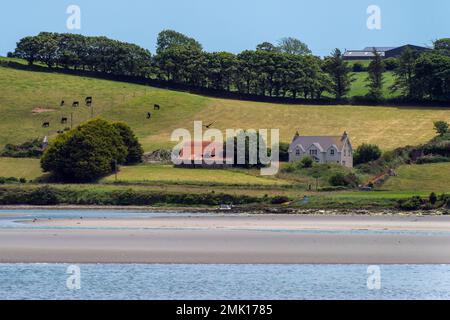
297, 152
313, 152
332, 152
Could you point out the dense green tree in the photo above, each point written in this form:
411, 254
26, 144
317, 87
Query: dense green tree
267, 46
404, 74
432, 75
134, 148
441, 127
340, 73
366, 153
85, 153
442, 46
375, 76
169, 38
28, 49
293, 46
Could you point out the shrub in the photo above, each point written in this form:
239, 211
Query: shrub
358, 67
410, 204
441, 127
43, 196
279, 200
432, 159
341, 179
284, 151
433, 198
85, 153
28, 149
338, 179
4, 180
366, 153
391, 64
306, 162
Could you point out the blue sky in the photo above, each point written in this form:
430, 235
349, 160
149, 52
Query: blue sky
235, 25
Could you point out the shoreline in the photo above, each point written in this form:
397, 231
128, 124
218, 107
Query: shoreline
237, 210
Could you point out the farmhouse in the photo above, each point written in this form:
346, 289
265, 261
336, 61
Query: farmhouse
202, 154
385, 52
322, 149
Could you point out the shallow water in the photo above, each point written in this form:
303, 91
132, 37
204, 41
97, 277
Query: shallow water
175, 282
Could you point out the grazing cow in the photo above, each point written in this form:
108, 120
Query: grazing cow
75, 104
64, 120
46, 125
149, 115
62, 103
157, 107
88, 101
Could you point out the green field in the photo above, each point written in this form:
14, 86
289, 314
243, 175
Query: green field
21, 92
20, 168
169, 175
426, 177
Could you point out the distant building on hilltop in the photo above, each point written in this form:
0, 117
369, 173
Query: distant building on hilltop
385, 52
322, 149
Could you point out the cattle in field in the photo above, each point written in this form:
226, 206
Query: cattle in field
149, 115
157, 107
62, 103
64, 120
60, 132
45, 124
88, 101
75, 104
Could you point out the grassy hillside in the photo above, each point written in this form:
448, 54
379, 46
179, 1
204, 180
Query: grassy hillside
20, 168
22, 92
426, 177
170, 175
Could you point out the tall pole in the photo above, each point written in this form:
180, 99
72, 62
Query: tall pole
115, 169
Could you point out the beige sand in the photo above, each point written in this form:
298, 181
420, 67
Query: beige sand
219, 240
265, 222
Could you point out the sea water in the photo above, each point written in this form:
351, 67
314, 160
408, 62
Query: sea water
193, 282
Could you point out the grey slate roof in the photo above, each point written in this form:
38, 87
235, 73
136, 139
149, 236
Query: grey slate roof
379, 49
325, 142
360, 53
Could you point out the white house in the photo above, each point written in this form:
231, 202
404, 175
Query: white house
322, 149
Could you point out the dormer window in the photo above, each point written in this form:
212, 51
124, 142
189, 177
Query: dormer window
313, 152
297, 152
332, 152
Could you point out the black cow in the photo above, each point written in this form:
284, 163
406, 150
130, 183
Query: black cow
75, 104
88, 101
60, 132
46, 125
157, 107
149, 115
62, 103
64, 120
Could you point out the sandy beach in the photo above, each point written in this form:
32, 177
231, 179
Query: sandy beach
267, 239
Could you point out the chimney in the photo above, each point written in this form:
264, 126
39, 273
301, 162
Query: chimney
344, 136
297, 134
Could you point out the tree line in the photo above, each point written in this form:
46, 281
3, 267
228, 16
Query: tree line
287, 69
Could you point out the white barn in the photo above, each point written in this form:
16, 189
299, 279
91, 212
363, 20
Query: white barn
322, 149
